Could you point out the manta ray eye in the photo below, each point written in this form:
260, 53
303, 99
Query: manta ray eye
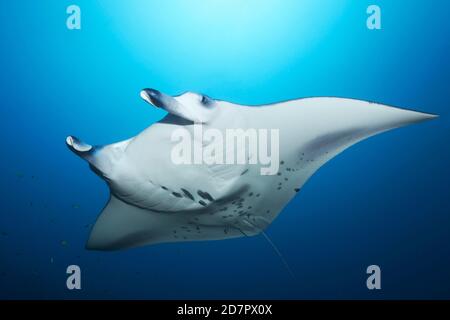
207, 101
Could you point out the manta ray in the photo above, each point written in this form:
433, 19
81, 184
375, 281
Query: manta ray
154, 200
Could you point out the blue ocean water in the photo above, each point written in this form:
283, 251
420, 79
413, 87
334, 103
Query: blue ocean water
384, 201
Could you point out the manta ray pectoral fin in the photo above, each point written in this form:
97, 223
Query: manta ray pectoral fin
122, 226
345, 114
348, 122
383, 118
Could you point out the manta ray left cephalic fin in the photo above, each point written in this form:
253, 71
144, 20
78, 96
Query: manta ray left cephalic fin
190, 106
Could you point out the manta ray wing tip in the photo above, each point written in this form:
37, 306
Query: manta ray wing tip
417, 116
398, 117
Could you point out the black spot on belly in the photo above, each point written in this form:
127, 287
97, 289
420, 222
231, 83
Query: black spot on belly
281, 162
187, 194
244, 172
250, 194
297, 189
164, 188
205, 195
176, 194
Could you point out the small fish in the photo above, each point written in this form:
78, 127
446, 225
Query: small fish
64, 243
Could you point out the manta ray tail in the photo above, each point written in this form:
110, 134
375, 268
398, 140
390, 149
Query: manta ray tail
283, 260
274, 247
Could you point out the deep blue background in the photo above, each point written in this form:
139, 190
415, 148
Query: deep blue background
385, 201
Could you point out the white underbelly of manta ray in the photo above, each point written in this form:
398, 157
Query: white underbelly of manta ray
155, 200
